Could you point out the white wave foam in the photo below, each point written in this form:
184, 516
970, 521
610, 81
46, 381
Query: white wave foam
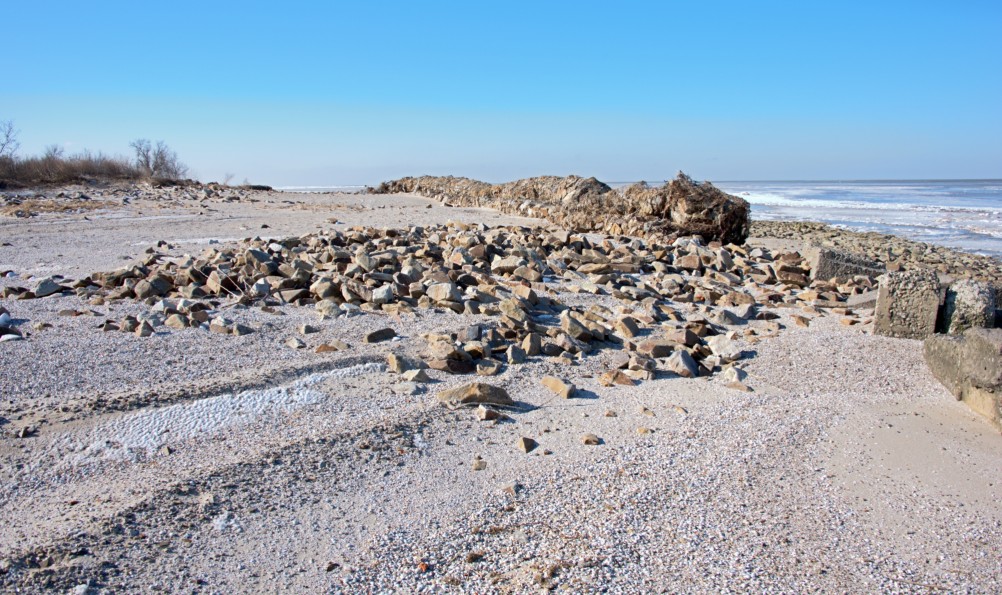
764, 199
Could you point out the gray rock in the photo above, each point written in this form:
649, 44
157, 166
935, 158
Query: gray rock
327, 308
726, 349
382, 294
682, 364
908, 304
969, 304
444, 292
47, 287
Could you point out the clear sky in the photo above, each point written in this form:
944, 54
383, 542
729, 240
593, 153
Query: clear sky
315, 93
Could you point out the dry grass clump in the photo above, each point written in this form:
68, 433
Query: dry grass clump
53, 168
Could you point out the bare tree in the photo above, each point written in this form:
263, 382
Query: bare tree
158, 161
8, 139
53, 152
226, 179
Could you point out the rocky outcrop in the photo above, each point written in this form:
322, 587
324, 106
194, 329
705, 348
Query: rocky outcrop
679, 208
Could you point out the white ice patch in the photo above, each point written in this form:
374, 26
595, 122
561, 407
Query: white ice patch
141, 434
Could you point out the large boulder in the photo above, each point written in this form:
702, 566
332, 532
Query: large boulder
680, 207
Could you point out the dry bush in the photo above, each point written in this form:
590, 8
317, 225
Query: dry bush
53, 168
155, 162
158, 161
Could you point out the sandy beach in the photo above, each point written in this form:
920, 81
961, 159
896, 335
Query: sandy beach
196, 461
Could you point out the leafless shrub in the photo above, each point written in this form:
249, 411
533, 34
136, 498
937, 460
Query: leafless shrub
158, 161
8, 140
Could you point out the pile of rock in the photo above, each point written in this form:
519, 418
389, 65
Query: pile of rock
890, 252
681, 207
682, 307
20, 203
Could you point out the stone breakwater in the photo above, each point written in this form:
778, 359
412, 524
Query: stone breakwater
893, 252
679, 208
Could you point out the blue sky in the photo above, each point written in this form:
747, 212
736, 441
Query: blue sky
357, 92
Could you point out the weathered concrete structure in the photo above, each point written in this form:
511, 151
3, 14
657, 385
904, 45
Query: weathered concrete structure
969, 304
970, 366
908, 304
828, 263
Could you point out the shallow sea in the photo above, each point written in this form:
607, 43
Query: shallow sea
965, 214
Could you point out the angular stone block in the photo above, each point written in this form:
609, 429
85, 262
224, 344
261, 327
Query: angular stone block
908, 304
827, 263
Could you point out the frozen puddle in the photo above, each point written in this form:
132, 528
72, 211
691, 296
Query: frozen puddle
141, 434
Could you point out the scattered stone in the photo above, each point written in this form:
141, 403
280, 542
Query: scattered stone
295, 343
407, 388
613, 377
515, 355
398, 363
475, 393
560, 387
487, 414
681, 363
732, 374
416, 375
479, 464
383, 334
444, 292
308, 329
526, 445
591, 440
801, 321
47, 287
177, 321
488, 367
331, 347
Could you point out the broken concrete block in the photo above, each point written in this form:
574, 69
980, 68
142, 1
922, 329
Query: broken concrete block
970, 366
908, 304
827, 263
969, 304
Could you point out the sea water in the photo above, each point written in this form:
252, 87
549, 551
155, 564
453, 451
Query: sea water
963, 214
